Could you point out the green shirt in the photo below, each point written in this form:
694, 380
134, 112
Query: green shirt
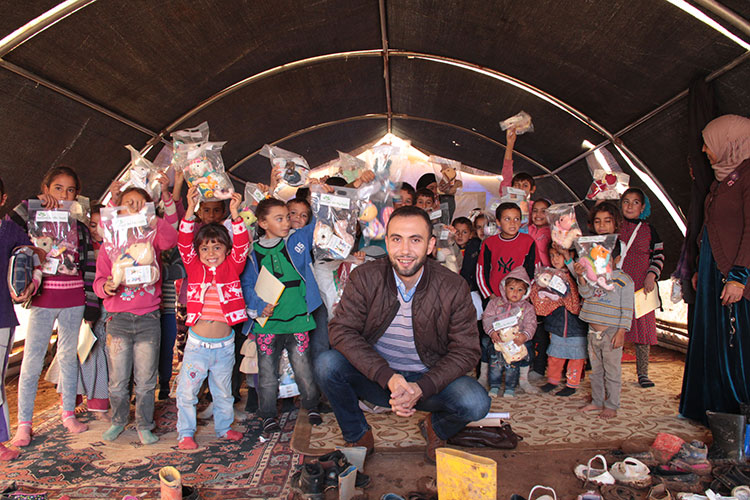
290, 314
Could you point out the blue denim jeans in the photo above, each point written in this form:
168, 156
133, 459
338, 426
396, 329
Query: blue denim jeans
268, 373
460, 402
38, 335
198, 363
498, 366
133, 348
166, 348
6, 345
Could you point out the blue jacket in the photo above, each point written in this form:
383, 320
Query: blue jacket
563, 323
298, 245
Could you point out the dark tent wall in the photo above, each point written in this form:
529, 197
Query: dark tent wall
315, 77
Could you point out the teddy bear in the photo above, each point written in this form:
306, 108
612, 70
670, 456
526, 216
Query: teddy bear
137, 254
565, 230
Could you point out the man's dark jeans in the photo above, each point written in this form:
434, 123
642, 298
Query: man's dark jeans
459, 403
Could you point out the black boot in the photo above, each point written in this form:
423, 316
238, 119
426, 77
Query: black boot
728, 431
308, 481
335, 463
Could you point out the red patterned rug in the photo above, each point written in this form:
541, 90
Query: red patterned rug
83, 466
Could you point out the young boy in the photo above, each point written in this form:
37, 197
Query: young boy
609, 314
300, 212
425, 200
406, 195
521, 180
469, 246
502, 253
514, 293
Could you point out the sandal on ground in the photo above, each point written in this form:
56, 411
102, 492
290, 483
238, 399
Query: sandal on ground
728, 477
540, 497
588, 474
619, 492
631, 472
702, 469
659, 492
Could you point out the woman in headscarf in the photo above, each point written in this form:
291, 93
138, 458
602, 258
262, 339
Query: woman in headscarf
717, 368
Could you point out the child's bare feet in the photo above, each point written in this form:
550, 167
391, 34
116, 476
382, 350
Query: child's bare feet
608, 413
23, 435
589, 407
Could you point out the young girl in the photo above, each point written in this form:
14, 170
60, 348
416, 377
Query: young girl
62, 298
642, 259
133, 327
286, 254
540, 231
213, 264
11, 236
609, 314
567, 332
479, 222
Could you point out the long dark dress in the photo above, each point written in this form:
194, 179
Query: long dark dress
717, 374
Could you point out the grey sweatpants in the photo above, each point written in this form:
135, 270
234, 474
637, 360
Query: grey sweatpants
606, 368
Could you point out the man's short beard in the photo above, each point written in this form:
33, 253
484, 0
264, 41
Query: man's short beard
418, 264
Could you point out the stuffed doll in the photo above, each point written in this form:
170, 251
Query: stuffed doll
137, 254
551, 286
597, 265
565, 230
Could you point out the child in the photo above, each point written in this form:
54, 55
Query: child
215, 303
11, 236
425, 200
503, 252
469, 246
406, 194
521, 180
134, 327
61, 298
300, 212
479, 222
609, 314
286, 254
642, 260
540, 230
514, 293
567, 332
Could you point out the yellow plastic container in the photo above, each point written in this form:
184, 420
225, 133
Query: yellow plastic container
463, 476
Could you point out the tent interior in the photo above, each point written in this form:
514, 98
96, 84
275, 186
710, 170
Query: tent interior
81, 79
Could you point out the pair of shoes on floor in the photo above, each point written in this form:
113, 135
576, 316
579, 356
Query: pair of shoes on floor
313, 479
540, 497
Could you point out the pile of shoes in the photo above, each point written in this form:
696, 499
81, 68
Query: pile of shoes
426, 490
331, 471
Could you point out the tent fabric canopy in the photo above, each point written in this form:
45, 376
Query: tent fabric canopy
319, 76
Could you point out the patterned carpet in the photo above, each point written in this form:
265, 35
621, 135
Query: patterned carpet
545, 421
83, 466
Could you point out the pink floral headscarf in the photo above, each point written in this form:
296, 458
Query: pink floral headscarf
728, 137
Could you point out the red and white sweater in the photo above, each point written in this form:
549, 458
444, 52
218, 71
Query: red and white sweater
226, 276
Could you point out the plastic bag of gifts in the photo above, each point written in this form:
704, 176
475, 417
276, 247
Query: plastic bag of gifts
128, 239
610, 182
595, 255
350, 167
507, 327
55, 232
447, 174
551, 282
142, 174
294, 168
520, 198
287, 385
521, 122
195, 135
563, 224
203, 166
253, 196
447, 252
335, 216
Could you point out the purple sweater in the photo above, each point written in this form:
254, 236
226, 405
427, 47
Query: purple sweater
11, 236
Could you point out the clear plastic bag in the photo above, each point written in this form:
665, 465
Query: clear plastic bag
253, 196
336, 222
563, 224
55, 231
490, 227
508, 326
520, 122
350, 167
341, 278
142, 174
196, 135
128, 239
203, 166
375, 203
294, 168
287, 384
551, 282
608, 185
387, 163
595, 255
520, 198
447, 252
676, 295
447, 174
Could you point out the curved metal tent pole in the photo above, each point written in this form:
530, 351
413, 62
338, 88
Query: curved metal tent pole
398, 116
